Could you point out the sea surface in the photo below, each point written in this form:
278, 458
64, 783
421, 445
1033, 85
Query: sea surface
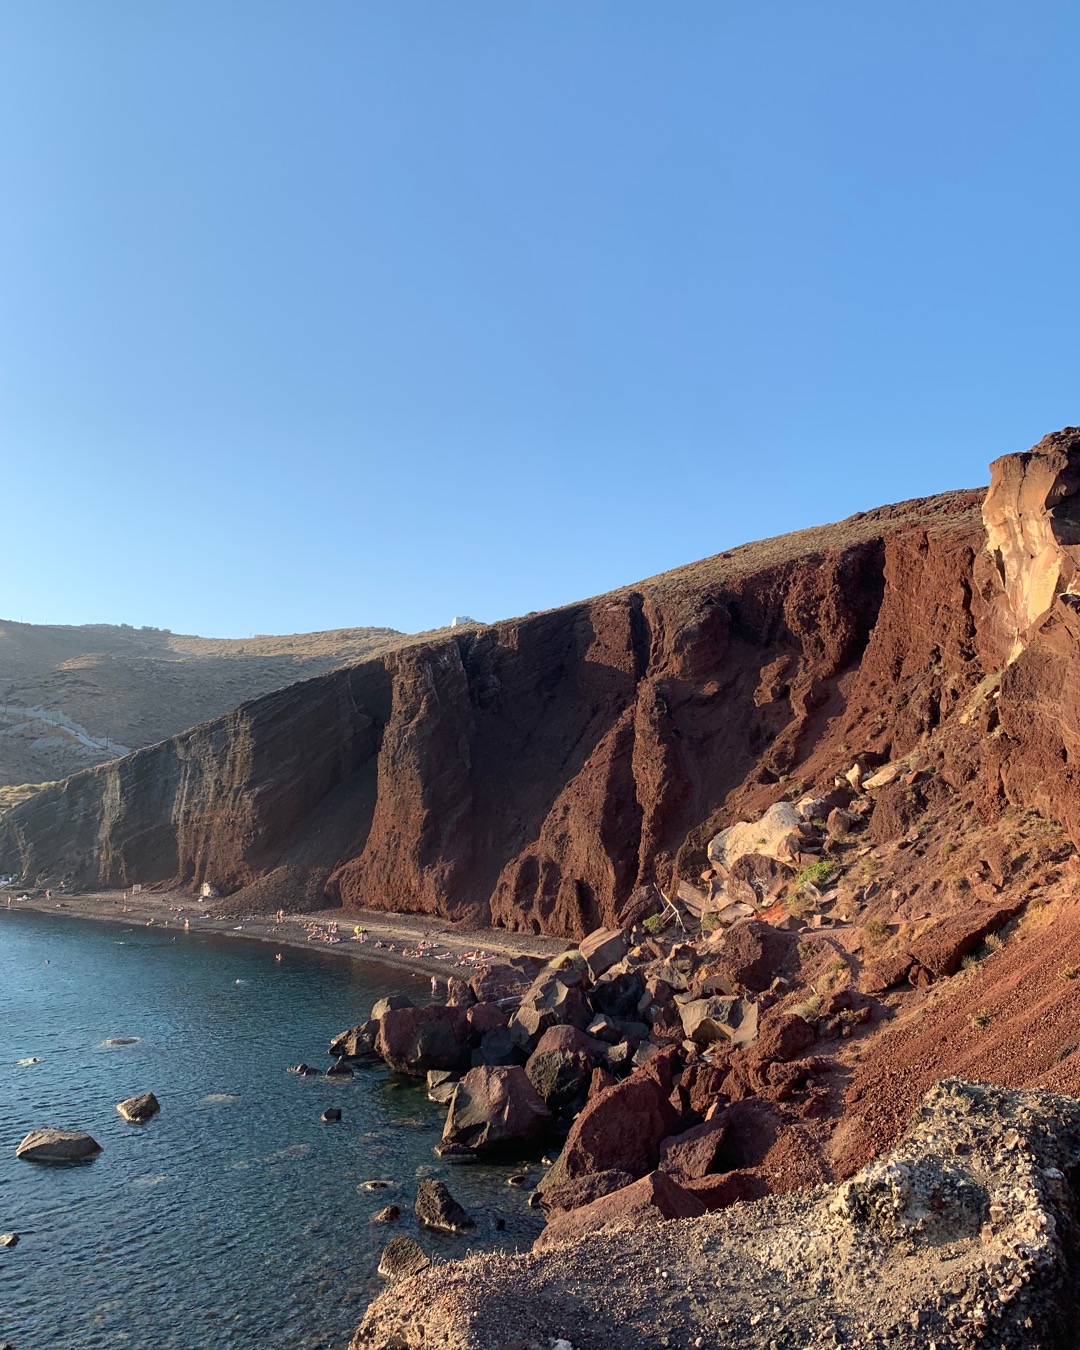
235, 1217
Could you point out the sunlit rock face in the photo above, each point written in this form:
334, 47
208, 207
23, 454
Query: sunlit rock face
1032, 519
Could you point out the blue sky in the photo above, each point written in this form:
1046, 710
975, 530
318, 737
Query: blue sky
320, 315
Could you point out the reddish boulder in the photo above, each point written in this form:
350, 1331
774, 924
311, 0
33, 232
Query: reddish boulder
601, 1080
942, 946
882, 974
584, 1190
702, 1083
621, 1128
485, 1017
783, 1035
752, 954
491, 1108
756, 880
732, 1188
651, 1200
693, 1153
414, 1040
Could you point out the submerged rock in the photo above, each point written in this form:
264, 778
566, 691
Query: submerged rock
50, 1145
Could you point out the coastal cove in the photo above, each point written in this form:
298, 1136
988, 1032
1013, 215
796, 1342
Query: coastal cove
233, 1218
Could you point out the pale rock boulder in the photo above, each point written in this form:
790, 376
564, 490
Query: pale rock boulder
57, 1146
139, 1109
771, 836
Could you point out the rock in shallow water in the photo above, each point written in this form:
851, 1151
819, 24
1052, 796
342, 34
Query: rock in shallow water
139, 1109
50, 1145
437, 1209
402, 1257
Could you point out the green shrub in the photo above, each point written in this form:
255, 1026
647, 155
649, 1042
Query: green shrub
819, 873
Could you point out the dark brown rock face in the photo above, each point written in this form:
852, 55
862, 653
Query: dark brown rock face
542, 772
535, 773
620, 1130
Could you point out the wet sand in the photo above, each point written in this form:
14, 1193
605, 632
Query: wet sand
416, 942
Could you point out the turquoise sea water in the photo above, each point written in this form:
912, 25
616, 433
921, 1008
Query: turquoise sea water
234, 1217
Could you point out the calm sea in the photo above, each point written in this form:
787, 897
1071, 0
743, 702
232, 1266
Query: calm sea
235, 1217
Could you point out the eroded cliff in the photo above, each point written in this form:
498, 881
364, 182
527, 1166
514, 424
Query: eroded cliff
536, 772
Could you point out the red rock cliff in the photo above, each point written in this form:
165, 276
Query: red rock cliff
537, 771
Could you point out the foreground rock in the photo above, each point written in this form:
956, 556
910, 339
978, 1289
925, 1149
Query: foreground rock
414, 1040
492, 1108
650, 1200
402, 1257
139, 1109
57, 1146
619, 1130
437, 1209
963, 1236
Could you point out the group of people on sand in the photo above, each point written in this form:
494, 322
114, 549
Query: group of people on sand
318, 932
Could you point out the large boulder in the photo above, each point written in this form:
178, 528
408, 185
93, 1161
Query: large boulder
356, 1042
401, 1258
414, 1040
139, 1109
602, 949
619, 1129
651, 1200
756, 880
505, 979
693, 1154
752, 953
561, 1066
57, 1146
498, 1046
391, 1003
942, 946
583, 1190
437, 1209
555, 998
493, 1108
485, 1017
706, 1020
783, 1036
771, 836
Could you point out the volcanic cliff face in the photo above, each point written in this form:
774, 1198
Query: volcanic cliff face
536, 772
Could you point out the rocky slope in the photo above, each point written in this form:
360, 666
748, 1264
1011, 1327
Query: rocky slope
72, 696
967, 1234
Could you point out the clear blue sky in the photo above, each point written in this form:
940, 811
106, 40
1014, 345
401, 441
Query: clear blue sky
371, 312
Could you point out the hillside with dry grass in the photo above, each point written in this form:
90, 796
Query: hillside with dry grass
74, 696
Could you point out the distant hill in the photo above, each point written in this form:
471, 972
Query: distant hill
75, 696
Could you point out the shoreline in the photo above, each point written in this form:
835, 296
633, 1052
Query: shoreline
418, 943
